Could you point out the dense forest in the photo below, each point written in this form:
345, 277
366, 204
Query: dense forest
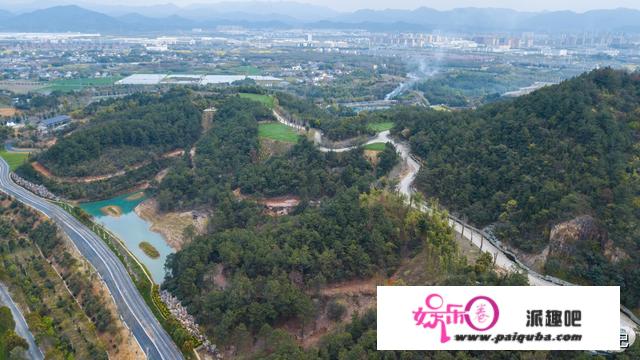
273, 266
252, 273
125, 132
227, 158
307, 172
531, 163
465, 85
336, 123
97, 189
230, 145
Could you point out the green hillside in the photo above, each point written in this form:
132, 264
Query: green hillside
125, 132
529, 164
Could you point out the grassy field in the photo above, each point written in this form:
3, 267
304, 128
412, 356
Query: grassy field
79, 84
266, 100
383, 126
278, 132
14, 159
375, 146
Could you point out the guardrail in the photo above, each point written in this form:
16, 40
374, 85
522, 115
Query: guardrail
145, 285
491, 239
494, 242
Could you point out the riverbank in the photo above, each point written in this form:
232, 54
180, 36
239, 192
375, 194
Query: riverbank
171, 225
118, 216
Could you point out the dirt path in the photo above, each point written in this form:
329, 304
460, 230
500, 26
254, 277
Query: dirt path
89, 179
357, 296
354, 287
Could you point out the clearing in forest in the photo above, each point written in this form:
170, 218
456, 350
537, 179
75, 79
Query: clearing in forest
277, 131
379, 146
381, 126
266, 100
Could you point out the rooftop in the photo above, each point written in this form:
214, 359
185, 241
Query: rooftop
55, 120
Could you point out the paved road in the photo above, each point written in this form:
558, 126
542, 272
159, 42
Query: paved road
22, 328
155, 342
9, 147
503, 259
410, 168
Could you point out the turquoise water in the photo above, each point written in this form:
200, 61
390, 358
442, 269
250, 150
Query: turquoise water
132, 230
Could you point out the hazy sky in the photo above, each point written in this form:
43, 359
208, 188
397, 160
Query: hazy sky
348, 5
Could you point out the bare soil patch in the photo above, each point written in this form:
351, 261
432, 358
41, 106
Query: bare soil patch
41, 169
269, 148
88, 179
372, 156
171, 224
8, 111
357, 296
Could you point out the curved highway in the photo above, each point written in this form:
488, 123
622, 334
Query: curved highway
153, 339
503, 258
22, 328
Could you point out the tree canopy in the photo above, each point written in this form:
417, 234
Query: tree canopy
125, 132
528, 164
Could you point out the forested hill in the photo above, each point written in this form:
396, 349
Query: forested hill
227, 157
125, 132
529, 164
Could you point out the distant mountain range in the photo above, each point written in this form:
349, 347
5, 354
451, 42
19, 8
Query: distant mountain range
169, 17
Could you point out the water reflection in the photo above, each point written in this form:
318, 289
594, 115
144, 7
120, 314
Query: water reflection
118, 215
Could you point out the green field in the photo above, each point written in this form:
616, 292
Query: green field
278, 132
266, 100
375, 146
14, 159
79, 84
383, 126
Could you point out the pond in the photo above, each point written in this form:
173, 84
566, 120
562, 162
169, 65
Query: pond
117, 214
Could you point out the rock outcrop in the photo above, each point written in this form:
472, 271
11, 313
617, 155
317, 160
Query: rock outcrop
565, 236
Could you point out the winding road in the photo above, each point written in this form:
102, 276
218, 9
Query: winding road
153, 339
503, 258
22, 328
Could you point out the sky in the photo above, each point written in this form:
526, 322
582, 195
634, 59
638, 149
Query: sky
350, 5
525, 5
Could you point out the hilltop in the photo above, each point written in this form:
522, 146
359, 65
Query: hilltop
555, 171
257, 14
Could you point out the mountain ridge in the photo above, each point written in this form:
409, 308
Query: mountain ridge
172, 18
